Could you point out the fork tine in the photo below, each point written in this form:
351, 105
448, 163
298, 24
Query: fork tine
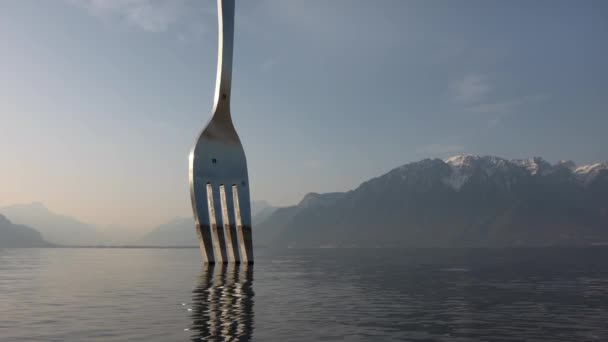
243, 232
233, 230
205, 241
229, 232
219, 243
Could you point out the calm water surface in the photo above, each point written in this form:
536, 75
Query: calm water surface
305, 295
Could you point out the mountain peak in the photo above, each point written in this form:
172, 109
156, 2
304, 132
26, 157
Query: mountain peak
4, 220
314, 198
534, 165
591, 168
37, 206
16, 235
461, 159
587, 173
464, 200
55, 228
465, 166
469, 160
569, 164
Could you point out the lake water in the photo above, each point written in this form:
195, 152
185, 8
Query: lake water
305, 295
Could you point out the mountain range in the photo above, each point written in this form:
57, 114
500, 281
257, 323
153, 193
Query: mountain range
16, 235
55, 228
465, 200
180, 231
68, 231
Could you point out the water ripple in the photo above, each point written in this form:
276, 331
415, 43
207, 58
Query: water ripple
222, 304
304, 295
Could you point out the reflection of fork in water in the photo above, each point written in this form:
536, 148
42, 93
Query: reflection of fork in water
222, 304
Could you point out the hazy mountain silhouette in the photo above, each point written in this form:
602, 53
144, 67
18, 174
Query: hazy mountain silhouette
55, 228
177, 232
260, 207
180, 231
462, 201
16, 235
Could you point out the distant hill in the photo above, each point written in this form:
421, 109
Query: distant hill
180, 231
260, 207
461, 201
16, 235
177, 232
55, 228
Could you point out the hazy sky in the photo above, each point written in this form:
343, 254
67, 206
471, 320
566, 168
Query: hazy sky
101, 100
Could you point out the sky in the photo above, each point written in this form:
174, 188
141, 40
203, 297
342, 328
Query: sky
101, 100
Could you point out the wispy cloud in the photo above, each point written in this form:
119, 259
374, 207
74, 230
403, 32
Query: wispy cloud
474, 94
470, 89
503, 107
147, 15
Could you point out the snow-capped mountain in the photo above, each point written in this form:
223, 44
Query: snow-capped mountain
587, 173
464, 200
464, 166
534, 166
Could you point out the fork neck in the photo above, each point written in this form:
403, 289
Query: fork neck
225, 18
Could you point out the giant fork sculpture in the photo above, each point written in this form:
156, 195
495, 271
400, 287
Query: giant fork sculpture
219, 184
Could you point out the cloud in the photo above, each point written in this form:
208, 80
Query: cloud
473, 94
472, 88
504, 107
495, 107
147, 15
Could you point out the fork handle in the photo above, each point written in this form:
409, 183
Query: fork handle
225, 19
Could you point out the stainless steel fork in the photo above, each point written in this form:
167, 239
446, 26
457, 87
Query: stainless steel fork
219, 186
